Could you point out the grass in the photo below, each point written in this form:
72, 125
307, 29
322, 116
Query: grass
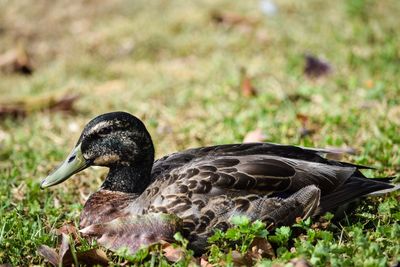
168, 63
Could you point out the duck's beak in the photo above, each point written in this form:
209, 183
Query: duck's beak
74, 163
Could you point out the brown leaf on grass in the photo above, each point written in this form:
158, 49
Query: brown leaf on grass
64, 252
316, 67
204, 263
22, 107
13, 112
261, 248
16, 60
64, 103
246, 86
93, 257
307, 128
304, 119
173, 254
65, 256
241, 260
303, 132
255, 136
68, 229
232, 19
50, 254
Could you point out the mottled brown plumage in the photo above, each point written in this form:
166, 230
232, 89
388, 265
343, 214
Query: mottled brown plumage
201, 189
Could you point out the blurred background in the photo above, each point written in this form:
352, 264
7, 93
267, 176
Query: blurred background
313, 73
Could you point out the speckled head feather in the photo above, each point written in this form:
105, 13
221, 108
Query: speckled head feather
120, 141
116, 138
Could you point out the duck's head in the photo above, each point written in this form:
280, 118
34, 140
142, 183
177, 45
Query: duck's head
116, 140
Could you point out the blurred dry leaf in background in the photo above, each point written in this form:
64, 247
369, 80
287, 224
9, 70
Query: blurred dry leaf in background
246, 85
22, 107
16, 60
307, 128
232, 19
316, 67
255, 136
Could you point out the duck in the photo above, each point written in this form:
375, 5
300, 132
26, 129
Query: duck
199, 190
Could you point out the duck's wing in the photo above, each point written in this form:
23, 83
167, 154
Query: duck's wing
179, 159
258, 167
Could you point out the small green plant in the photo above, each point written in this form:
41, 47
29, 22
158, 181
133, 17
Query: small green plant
238, 238
155, 254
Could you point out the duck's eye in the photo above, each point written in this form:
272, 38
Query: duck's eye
104, 131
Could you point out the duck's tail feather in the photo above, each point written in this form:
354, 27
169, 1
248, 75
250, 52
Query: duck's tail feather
354, 188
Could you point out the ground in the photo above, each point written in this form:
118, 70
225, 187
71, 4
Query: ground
177, 66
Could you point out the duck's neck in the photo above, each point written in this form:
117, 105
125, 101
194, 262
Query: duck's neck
128, 179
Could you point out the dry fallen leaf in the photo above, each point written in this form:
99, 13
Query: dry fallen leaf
13, 112
172, 253
316, 67
246, 85
254, 136
307, 128
64, 103
204, 263
241, 260
22, 107
16, 60
232, 19
64, 257
68, 229
49, 254
64, 253
261, 248
93, 257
